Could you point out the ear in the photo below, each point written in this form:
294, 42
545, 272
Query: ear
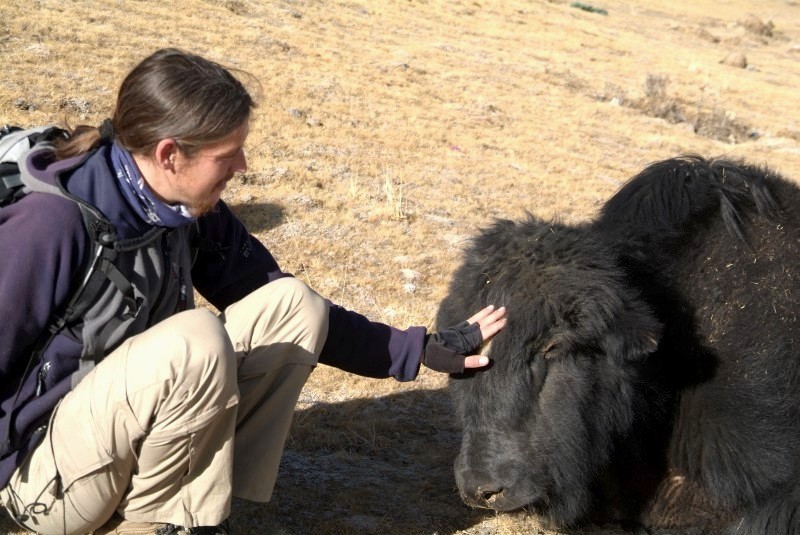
165, 153
630, 333
557, 345
633, 334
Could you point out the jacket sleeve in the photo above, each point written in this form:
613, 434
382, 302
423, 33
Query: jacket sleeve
231, 263
372, 349
44, 248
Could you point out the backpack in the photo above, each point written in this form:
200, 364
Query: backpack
15, 145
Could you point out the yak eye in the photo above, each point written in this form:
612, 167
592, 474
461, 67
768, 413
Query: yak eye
549, 348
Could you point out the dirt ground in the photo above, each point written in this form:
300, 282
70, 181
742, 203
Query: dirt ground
388, 132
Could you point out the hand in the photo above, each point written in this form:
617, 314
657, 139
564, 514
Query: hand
491, 321
449, 350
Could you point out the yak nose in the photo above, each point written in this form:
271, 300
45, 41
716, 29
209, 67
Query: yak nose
488, 494
478, 488
483, 496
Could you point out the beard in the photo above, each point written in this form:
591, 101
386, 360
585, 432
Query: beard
202, 208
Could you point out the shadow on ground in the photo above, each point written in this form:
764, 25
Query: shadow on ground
258, 216
370, 465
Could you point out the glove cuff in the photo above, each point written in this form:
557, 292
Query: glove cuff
442, 359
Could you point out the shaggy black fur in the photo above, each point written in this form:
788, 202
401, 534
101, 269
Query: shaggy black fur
650, 369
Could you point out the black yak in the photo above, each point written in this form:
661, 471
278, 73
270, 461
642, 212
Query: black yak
650, 369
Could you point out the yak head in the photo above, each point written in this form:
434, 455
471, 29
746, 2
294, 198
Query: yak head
539, 425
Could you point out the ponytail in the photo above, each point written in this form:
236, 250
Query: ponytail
83, 139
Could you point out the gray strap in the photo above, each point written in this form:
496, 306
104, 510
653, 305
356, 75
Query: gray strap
15, 144
12, 181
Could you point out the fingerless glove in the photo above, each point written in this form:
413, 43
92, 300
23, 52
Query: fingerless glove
445, 350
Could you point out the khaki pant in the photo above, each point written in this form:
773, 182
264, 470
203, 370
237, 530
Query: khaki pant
177, 419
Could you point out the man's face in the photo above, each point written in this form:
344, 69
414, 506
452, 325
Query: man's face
201, 178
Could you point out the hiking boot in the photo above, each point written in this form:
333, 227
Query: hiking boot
170, 529
119, 526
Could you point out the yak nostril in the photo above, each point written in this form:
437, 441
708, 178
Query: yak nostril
489, 494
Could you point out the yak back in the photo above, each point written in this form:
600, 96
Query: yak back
721, 240
667, 199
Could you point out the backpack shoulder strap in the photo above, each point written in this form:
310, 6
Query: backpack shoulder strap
15, 146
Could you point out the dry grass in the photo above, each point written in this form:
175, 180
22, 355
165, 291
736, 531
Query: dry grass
388, 132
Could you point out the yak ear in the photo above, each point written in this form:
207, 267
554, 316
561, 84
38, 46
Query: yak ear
634, 333
624, 330
556, 346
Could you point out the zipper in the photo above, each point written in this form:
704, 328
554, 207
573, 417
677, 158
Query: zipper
41, 376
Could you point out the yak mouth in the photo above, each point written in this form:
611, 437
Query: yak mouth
505, 501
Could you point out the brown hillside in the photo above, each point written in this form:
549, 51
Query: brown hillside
388, 132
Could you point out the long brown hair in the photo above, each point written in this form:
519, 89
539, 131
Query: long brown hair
170, 94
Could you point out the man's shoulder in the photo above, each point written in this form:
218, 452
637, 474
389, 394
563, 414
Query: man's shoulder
48, 205
43, 214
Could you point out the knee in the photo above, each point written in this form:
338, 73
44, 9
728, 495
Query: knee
300, 300
205, 333
304, 306
202, 350
289, 311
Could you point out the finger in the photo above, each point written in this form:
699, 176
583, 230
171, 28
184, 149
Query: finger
488, 331
493, 317
483, 313
475, 361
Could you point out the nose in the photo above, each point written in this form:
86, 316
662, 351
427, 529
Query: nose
240, 162
477, 487
487, 495
484, 495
